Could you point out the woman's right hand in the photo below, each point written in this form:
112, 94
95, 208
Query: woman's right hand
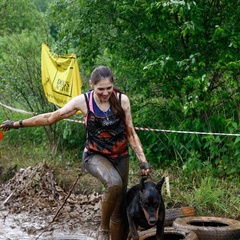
7, 125
145, 168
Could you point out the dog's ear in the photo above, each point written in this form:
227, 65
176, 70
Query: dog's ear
160, 183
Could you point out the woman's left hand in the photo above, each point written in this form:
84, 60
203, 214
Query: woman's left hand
145, 168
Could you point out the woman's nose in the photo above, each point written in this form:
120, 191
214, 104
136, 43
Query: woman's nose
105, 92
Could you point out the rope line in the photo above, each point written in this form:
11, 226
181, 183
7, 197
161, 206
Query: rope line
189, 132
138, 128
16, 110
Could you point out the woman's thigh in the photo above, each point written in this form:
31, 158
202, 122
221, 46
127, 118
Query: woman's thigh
104, 170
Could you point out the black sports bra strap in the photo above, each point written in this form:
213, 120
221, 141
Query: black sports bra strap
87, 101
120, 98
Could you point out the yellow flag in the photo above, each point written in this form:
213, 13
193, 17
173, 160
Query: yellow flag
61, 78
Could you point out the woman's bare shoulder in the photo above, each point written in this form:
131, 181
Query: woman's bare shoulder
125, 102
77, 103
80, 103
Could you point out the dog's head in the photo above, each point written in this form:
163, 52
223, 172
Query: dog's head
150, 200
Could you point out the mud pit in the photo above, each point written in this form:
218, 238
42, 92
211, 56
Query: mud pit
30, 200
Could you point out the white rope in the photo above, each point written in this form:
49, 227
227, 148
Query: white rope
16, 110
189, 132
139, 128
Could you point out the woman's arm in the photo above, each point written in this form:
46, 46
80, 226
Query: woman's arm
133, 138
74, 105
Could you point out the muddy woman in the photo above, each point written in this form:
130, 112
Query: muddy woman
110, 131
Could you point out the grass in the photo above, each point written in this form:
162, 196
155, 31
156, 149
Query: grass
210, 196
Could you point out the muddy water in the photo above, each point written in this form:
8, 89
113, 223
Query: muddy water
29, 202
24, 226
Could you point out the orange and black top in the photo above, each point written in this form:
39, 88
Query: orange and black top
106, 134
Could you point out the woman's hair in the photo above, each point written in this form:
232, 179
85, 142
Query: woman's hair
100, 73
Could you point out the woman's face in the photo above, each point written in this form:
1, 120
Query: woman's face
103, 89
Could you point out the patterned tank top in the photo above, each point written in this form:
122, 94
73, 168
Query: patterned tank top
106, 133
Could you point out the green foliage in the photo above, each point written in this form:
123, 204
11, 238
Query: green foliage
177, 60
41, 5
210, 196
18, 15
21, 71
67, 136
168, 49
21, 136
195, 153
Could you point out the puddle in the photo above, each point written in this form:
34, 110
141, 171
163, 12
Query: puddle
30, 201
24, 226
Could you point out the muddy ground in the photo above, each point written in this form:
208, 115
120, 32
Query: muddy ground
30, 203
34, 206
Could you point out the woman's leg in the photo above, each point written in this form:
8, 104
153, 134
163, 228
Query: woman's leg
111, 177
118, 222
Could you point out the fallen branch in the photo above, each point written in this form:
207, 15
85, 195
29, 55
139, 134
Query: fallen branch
65, 200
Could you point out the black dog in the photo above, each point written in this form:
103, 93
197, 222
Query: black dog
144, 207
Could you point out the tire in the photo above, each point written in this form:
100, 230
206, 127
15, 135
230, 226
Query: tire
174, 213
210, 228
170, 233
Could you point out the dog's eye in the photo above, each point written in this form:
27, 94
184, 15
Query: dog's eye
151, 203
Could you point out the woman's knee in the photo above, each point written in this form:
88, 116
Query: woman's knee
113, 191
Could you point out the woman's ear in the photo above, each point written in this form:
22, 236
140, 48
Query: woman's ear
90, 83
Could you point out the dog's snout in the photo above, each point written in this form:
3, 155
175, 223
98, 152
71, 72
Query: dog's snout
152, 220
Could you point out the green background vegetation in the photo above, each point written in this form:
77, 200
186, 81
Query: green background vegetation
177, 60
